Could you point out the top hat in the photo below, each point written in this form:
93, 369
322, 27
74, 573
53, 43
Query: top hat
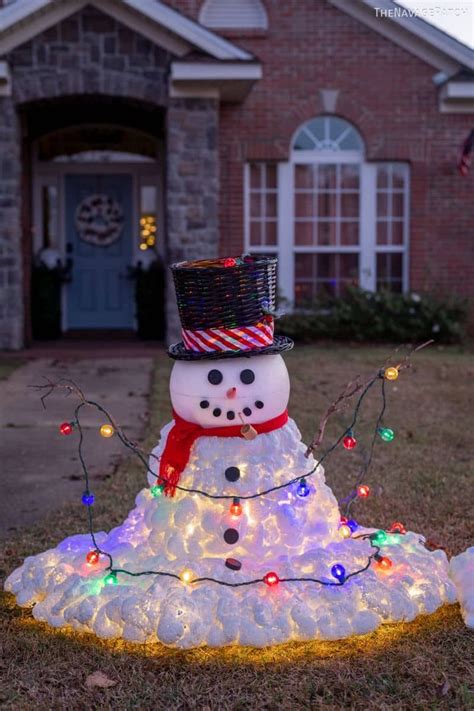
226, 307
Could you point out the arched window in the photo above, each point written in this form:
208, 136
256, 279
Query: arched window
230, 14
333, 218
328, 133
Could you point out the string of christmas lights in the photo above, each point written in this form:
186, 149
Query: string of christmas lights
347, 526
67, 428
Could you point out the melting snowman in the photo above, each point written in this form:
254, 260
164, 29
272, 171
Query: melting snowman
219, 549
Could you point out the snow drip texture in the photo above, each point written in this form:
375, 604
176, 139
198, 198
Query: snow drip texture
279, 532
462, 572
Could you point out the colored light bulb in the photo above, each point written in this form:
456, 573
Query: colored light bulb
386, 434
229, 262
391, 373
363, 491
303, 489
88, 498
345, 531
271, 579
156, 490
343, 520
383, 562
353, 525
106, 431
236, 507
186, 575
92, 558
379, 537
111, 578
349, 441
65, 428
397, 527
339, 572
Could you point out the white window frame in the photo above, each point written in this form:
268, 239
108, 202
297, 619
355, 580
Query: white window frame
367, 248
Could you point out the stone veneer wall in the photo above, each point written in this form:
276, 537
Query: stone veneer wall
11, 291
92, 54
192, 188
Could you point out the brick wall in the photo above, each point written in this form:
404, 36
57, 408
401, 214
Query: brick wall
388, 94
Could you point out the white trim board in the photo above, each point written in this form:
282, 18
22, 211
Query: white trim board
25, 19
231, 81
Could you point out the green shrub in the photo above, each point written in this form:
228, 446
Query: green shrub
384, 316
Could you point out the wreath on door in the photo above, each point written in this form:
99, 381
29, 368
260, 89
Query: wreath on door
99, 219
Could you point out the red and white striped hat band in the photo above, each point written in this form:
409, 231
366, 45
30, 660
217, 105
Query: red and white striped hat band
242, 338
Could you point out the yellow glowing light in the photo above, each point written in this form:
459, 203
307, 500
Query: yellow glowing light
186, 575
391, 373
345, 531
107, 431
147, 230
143, 246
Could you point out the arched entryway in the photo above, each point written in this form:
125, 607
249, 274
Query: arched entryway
96, 186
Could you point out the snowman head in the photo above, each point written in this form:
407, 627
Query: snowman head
230, 391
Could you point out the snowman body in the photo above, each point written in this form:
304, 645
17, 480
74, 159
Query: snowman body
298, 537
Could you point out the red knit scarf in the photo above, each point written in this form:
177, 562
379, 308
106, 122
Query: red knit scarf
182, 436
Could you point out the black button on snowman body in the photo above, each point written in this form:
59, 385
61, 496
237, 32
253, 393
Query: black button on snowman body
232, 473
231, 536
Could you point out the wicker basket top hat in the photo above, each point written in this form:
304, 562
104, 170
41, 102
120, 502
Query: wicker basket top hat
226, 307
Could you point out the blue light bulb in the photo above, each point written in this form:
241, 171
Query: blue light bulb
303, 489
353, 525
339, 572
88, 498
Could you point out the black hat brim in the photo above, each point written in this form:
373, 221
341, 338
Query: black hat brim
280, 344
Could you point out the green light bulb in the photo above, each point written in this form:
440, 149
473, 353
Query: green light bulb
378, 538
156, 491
111, 579
386, 434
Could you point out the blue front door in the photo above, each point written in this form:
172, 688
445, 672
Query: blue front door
99, 240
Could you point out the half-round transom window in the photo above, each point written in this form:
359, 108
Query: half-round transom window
234, 15
328, 133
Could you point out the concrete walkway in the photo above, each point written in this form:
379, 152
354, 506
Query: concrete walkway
39, 468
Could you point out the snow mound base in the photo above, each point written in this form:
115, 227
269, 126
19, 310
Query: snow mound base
461, 571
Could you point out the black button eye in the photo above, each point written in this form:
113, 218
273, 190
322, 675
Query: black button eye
215, 377
247, 376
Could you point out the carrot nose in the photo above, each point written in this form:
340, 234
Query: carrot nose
231, 392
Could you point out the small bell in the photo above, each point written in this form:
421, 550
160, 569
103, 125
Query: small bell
248, 432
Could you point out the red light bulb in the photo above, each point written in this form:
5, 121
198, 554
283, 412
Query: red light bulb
343, 520
349, 442
271, 579
65, 428
236, 508
397, 527
384, 563
363, 491
92, 557
229, 262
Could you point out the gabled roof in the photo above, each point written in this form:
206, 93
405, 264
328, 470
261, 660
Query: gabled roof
24, 19
408, 30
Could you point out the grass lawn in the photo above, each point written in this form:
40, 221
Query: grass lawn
423, 478
8, 365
